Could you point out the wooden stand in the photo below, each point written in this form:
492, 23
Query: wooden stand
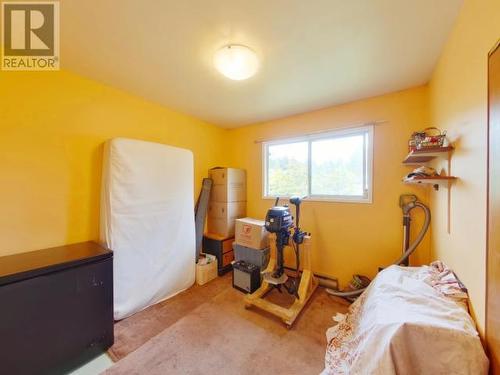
307, 286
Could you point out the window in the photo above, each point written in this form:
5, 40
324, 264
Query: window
334, 166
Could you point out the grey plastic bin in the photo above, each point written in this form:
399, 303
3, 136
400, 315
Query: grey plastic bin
258, 257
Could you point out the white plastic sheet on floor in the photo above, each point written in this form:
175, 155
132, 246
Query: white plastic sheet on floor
147, 219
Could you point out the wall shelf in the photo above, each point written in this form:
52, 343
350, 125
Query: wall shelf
418, 157
435, 181
423, 156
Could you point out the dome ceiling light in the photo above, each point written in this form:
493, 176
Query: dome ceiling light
236, 62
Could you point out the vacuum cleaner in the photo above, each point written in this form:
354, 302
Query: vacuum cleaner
279, 220
407, 202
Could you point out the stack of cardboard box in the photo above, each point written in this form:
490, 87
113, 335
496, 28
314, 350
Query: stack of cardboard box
227, 203
251, 242
228, 200
251, 251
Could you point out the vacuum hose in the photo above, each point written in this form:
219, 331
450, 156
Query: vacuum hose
427, 221
404, 257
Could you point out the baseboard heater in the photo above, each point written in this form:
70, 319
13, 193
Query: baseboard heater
56, 308
326, 281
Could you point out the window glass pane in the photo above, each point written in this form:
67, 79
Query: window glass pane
337, 166
287, 169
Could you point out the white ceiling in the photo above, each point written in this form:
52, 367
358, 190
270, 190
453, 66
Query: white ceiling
314, 53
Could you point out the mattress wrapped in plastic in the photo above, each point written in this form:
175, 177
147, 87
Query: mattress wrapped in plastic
147, 219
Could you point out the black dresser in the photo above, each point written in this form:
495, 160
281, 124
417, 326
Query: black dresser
56, 308
222, 248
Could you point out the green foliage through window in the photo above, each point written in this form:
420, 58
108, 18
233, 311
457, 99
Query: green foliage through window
336, 165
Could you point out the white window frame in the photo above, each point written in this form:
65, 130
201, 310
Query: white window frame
368, 172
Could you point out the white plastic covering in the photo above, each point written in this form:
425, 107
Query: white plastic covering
403, 325
147, 219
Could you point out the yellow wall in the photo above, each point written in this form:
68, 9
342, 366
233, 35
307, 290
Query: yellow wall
348, 238
458, 103
52, 127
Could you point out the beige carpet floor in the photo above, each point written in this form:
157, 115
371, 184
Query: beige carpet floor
207, 330
136, 330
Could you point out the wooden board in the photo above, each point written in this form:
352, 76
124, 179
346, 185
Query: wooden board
307, 286
427, 154
429, 179
218, 237
493, 254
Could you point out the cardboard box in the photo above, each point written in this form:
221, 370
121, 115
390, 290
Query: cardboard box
229, 185
222, 216
229, 193
251, 233
227, 209
226, 176
222, 226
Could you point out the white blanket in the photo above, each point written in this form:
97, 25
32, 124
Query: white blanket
147, 219
403, 325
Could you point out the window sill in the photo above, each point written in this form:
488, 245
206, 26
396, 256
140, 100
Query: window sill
328, 199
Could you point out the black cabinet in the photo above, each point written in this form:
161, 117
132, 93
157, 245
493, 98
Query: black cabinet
222, 248
56, 308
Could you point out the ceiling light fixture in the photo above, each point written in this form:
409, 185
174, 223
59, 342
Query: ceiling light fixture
236, 62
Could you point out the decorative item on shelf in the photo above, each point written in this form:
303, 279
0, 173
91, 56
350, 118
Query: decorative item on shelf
422, 171
431, 137
427, 175
425, 146
414, 140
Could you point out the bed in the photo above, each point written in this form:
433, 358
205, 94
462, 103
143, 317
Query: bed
410, 320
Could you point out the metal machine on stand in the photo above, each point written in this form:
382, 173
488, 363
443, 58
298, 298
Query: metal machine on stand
279, 222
